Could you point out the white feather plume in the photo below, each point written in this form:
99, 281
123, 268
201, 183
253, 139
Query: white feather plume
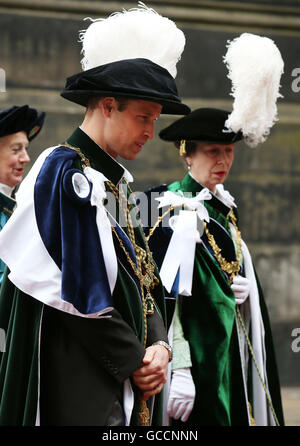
137, 33
255, 67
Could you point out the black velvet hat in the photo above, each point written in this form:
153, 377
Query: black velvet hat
203, 124
21, 119
133, 78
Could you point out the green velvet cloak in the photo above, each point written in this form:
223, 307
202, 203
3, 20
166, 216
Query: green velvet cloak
208, 319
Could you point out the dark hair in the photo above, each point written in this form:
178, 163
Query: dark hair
190, 147
122, 102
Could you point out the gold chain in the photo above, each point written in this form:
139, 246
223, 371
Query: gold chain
142, 281
145, 269
231, 268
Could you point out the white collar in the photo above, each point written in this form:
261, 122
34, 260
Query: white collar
6, 190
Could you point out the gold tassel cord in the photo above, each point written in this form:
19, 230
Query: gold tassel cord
232, 269
85, 161
241, 322
159, 220
144, 415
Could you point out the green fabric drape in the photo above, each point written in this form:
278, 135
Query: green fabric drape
20, 318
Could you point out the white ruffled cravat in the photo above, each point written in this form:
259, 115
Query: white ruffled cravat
224, 196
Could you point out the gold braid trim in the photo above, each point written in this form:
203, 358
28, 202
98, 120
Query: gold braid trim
85, 161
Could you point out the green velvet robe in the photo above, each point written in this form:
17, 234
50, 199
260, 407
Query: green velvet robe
208, 320
108, 361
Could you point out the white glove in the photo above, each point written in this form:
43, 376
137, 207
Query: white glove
241, 288
182, 394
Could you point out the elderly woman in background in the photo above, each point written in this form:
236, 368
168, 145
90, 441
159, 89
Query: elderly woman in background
224, 369
18, 126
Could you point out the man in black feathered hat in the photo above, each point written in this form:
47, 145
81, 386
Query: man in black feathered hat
18, 126
85, 275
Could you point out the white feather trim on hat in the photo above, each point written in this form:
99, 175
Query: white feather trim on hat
137, 33
255, 66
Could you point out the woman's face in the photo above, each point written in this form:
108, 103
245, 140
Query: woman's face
210, 163
13, 157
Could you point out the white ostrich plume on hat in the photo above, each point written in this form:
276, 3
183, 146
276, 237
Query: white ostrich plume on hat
255, 66
137, 33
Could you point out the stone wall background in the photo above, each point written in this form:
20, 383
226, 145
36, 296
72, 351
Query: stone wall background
39, 49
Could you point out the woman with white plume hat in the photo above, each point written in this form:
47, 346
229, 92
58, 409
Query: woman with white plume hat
83, 289
224, 370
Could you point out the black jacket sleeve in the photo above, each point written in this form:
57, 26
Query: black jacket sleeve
109, 342
156, 329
